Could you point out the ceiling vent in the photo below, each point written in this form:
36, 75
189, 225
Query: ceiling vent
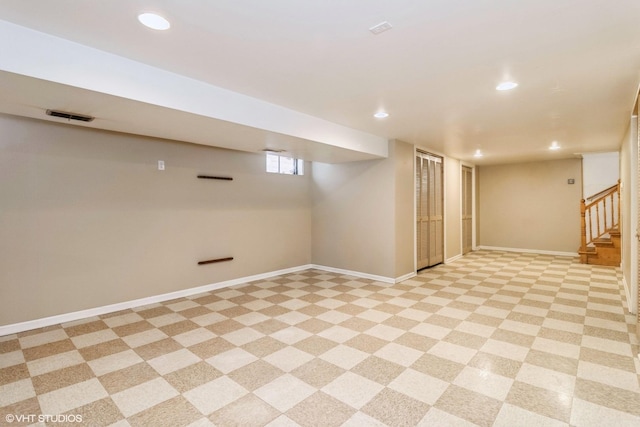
70, 116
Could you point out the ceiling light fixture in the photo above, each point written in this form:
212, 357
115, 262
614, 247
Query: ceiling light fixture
478, 153
154, 21
380, 28
554, 146
381, 115
507, 86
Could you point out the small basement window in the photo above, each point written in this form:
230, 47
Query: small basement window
284, 165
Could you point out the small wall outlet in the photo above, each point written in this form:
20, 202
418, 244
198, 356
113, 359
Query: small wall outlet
571, 181
160, 165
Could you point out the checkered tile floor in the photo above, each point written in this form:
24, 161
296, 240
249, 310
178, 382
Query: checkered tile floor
493, 339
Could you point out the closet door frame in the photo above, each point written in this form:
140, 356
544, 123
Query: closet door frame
437, 216
472, 207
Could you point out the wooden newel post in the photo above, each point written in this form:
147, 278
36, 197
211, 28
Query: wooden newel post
583, 233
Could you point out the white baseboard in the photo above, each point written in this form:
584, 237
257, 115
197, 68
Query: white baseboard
405, 277
630, 302
528, 251
355, 273
98, 311
83, 314
453, 258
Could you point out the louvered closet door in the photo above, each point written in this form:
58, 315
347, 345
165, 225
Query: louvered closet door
429, 210
467, 218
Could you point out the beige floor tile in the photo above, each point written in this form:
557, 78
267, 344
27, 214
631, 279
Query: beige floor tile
42, 338
540, 401
114, 362
143, 396
213, 395
176, 411
62, 378
103, 412
620, 348
53, 363
431, 331
479, 329
606, 358
255, 375
373, 315
415, 341
192, 376
495, 364
288, 358
285, 392
610, 376
562, 364
601, 394
400, 354
546, 378
290, 335
247, 411
320, 409
194, 336
71, 397
379, 370
11, 358
510, 416
469, 405
93, 338
436, 417
16, 391
395, 409
484, 382
464, 339
344, 356
588, 414
419, 386
337, 333
128, 377
352, 389
360, 419
103, 349
179, 327
231, 360
317, 372
315, 345
453, 352
143, 338
173, 361
556, 347
47, 350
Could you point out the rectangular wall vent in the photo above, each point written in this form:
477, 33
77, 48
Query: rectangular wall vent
70, 116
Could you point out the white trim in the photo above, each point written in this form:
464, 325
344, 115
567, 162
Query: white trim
383, 279
83, 314
628, 294
453, 258
533, 251
405, 277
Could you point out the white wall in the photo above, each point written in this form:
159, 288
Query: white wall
87, 220
599, 172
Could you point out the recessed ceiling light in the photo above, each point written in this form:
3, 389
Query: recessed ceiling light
154, 21
554, 146
478, 153
381, 115
507, 86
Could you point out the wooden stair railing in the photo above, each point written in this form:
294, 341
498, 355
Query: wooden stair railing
599, 215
